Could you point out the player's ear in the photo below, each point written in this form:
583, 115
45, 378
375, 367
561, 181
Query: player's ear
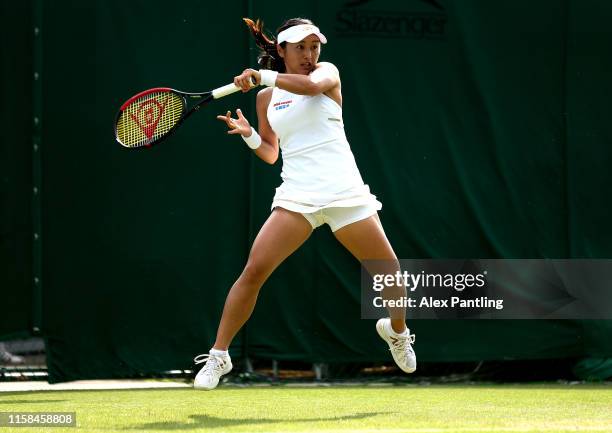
280, 50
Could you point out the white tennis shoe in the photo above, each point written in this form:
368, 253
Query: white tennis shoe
215, 366
399, 344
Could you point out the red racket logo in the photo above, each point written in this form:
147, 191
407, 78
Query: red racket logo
148, 115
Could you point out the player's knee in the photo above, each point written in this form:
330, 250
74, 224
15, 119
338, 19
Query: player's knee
254, 274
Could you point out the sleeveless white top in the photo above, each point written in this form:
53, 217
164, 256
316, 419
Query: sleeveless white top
319, 169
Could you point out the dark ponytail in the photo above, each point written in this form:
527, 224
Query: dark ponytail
268, 58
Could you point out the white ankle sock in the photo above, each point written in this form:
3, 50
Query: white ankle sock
219, 352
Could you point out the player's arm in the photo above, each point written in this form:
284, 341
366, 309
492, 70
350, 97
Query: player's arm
268, 151
268, 148
324, 78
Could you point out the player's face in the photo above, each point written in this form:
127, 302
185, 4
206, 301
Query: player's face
301, 57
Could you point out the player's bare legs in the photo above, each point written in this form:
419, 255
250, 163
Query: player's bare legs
366, 240
281, 235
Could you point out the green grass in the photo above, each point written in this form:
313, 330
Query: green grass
411, 408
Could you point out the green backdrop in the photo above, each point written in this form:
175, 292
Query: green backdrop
481, 126
16, 169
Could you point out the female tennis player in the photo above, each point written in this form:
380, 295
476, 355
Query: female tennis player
301, 107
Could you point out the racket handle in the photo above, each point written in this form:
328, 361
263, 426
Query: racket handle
229, 89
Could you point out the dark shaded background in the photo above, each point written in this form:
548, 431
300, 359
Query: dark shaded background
481, 126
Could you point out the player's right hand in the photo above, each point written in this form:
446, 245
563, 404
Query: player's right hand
245, 82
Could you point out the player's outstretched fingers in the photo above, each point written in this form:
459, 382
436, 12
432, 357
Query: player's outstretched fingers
239, 125
228, 120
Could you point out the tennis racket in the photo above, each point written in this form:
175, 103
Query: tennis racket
153, 115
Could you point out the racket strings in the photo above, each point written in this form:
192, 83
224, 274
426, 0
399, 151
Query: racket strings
149, 117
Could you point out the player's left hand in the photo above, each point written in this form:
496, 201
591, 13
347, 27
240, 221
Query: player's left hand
237, 126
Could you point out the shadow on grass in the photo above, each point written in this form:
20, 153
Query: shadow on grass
212, 422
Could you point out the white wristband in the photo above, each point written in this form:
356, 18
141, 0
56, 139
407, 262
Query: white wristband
268, 77
253, 140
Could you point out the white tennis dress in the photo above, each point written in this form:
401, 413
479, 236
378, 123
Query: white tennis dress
319, 169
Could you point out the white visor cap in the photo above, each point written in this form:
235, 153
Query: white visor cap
297, 33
